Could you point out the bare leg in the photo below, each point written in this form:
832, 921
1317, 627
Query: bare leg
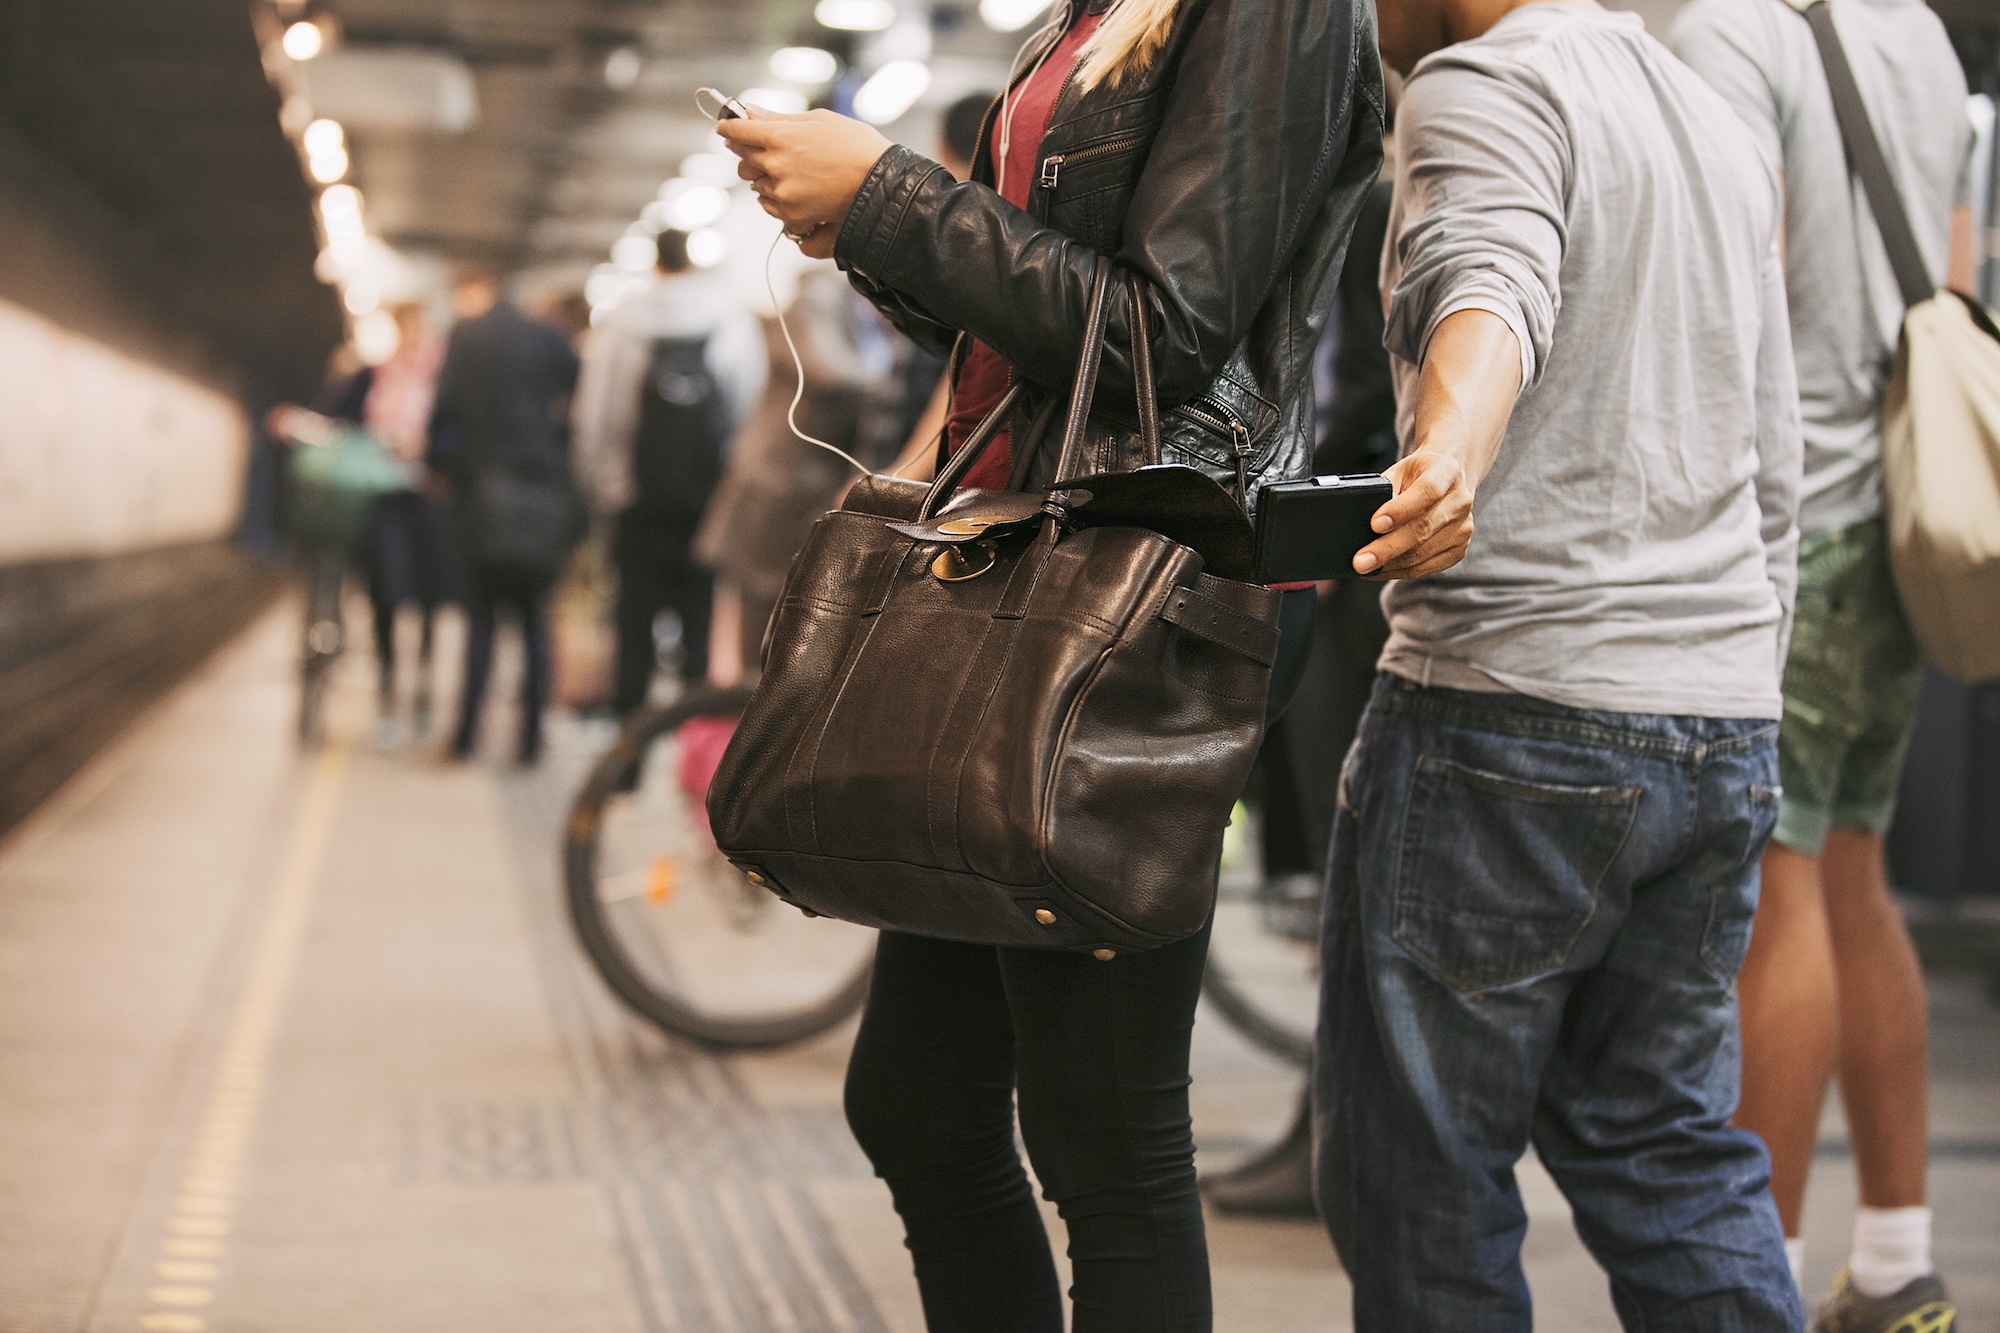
1884, 1024
1786, 996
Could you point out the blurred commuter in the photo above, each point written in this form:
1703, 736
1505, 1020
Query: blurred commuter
408, 559
1545, 858
1232, 224
776, 486
1303, 748
1831, 979
499, 441
569, 315
666, 376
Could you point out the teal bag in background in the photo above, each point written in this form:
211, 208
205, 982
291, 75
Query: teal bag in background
335, 478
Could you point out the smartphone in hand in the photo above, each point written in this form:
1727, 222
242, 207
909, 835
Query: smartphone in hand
718, 105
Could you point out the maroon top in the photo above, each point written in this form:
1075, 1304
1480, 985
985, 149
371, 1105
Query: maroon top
984, 375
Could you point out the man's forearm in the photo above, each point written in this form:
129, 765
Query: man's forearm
1470, 379
1465, 394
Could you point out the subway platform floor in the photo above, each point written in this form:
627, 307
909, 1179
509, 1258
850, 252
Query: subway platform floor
299, 1043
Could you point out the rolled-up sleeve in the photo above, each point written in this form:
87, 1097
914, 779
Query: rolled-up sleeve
1482, 169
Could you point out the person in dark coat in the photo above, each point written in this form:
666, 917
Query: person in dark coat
498, 441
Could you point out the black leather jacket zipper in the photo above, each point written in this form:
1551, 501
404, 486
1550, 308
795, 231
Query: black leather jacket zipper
1052, 165
1217, 417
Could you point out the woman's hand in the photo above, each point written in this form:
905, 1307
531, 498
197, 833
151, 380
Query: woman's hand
805, 169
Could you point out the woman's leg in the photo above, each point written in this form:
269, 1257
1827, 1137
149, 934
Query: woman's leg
1102, 1051
930, 1096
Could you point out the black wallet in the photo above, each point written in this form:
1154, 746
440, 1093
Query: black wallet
1312, 529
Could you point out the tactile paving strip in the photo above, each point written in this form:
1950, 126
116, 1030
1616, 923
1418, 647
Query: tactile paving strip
710, 1189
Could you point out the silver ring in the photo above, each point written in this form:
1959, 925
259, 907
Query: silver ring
796, 236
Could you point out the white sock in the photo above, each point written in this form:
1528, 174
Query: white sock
1795, 1255
1892, 1248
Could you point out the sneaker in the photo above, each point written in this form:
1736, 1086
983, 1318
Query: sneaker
1923, 1306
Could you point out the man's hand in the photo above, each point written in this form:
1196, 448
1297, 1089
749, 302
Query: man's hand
1465, 395
805, 169
1427, 525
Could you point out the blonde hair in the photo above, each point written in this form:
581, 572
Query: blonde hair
1131, 34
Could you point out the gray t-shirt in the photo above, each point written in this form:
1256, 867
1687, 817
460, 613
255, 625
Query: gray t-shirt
1635, 543
1846, 309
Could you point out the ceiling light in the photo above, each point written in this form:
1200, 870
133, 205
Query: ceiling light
804, 64
706, 248
622, 68
855, 15
1010, 15
340, 201
326, 168
608, 284
634, 254
692, 206
376, 337
711, 168
890, 91
788, 101
303, 40
324, 136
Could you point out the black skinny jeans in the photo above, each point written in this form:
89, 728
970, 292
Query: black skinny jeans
1098, 1055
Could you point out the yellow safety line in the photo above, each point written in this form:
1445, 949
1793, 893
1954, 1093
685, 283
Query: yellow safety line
197, 1238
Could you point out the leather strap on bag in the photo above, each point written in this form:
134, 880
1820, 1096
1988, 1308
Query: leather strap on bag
1142, 370
1218, 622
1865, 155
1082, 390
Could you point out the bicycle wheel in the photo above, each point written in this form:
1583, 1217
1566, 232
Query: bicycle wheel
675, 930
1263, 957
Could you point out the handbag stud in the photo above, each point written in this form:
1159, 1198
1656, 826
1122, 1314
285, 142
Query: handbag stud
957, 564
1104, 955
1045, 916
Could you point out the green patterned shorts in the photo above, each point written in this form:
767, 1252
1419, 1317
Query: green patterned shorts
1851, 687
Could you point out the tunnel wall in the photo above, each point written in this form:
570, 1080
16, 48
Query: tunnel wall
101, 453
122, 463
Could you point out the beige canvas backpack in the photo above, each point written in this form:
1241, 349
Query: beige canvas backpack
1940, 419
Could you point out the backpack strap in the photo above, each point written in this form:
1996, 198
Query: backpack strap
1865, 156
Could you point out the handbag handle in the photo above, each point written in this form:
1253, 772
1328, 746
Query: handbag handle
1082, 390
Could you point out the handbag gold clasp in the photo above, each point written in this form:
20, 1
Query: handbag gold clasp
968, 527
956, 564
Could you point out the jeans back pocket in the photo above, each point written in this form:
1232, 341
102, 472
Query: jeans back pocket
1497, 876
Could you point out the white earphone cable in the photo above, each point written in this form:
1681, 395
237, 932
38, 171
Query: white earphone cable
799, 366
1007, 110
1010, 101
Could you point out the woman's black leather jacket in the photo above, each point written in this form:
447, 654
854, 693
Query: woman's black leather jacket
1227, 174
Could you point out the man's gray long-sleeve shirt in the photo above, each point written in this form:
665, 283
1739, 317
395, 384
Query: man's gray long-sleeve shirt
1635, 541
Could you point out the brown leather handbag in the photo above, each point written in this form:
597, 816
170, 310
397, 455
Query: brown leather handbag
1009, 718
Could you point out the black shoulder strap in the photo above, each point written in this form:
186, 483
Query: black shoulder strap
1864, 153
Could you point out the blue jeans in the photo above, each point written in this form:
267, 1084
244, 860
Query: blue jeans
1533, 924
